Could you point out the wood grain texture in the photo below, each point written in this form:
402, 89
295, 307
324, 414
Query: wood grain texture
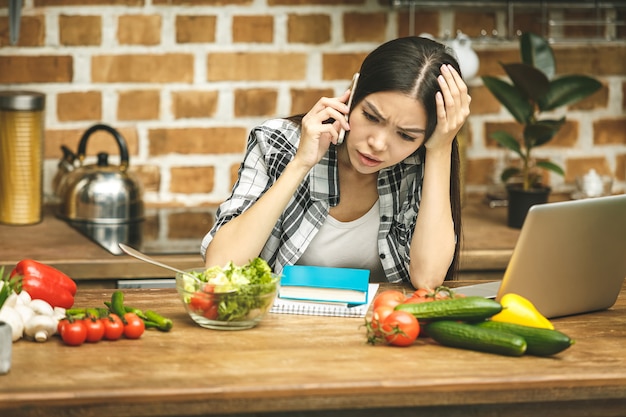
56, 243
310, 365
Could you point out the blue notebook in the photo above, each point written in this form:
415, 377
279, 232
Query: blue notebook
324, 284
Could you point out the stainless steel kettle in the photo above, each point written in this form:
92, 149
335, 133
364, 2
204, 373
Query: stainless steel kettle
100, 193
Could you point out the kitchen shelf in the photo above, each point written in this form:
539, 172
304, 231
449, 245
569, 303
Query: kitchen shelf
557, 16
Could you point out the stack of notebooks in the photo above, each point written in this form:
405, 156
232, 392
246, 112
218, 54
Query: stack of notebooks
324, 291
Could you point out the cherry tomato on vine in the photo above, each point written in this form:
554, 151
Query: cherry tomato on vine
389, 298
95, 330
417, 300
400, 328
60, 325
113, 327
422, 293
378, 317
74, 333
134, 327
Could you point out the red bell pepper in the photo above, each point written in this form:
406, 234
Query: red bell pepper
46, 283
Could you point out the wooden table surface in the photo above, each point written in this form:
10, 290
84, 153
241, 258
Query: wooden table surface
56, 243
313, 366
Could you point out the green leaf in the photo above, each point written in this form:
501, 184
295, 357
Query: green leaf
508, 141
551, 167
541, 132
536, 51
510, 98
568, 89
531, 82
509, 172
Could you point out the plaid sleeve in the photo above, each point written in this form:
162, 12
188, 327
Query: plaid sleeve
269, 148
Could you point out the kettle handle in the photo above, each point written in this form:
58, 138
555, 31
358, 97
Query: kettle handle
121, 143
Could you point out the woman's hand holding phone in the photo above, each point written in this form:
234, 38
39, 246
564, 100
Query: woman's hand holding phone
320, 128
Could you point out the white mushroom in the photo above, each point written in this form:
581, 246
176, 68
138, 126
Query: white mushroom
24, 298
40, 327
41, 307
24, 311
11, 300
59, 313
13, 319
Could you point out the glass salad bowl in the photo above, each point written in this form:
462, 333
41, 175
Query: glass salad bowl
229, 298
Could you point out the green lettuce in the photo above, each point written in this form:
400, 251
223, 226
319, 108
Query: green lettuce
248, 284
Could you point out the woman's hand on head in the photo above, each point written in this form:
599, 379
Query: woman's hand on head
317, 130
453, 102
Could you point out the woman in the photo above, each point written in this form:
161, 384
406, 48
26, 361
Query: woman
386, 199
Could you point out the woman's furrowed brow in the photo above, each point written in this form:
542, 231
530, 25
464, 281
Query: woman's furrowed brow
376, 112
415, 130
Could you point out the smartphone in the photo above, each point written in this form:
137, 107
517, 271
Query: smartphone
342, 132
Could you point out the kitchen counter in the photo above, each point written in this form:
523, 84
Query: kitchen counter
487, 247
311, 366
55, 242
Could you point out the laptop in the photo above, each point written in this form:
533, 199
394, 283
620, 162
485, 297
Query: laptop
570, 257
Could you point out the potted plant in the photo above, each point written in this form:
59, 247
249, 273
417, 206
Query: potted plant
533, 90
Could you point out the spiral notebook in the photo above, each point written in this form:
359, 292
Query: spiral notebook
285, 306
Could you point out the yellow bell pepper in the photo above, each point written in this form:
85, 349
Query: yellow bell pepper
518, 310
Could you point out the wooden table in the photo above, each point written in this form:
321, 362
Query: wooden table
310, 365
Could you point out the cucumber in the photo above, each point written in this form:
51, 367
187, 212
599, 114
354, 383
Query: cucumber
469, 336
541, 342
464, 309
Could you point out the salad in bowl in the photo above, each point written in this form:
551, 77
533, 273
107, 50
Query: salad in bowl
230, 297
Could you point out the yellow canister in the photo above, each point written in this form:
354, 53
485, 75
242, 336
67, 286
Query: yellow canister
21, 157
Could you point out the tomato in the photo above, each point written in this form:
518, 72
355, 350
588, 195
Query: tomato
378, 317
400, 328
74, 333
212, 312
113, 327
60, 325
134, 327
95, 329
199, 302
203, 304
415, 300
389, 298
423, 295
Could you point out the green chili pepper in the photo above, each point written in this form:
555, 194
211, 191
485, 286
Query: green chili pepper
163, 323
138, 312
150, 318
76, 313
117, 305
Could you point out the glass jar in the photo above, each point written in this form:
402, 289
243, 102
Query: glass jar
21, 157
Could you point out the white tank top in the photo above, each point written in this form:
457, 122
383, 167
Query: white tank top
351, 244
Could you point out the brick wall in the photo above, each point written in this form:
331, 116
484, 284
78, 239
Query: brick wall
184, 81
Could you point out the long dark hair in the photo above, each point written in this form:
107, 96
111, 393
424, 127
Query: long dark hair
411, 66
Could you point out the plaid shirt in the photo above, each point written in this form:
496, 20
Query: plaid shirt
271, 146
